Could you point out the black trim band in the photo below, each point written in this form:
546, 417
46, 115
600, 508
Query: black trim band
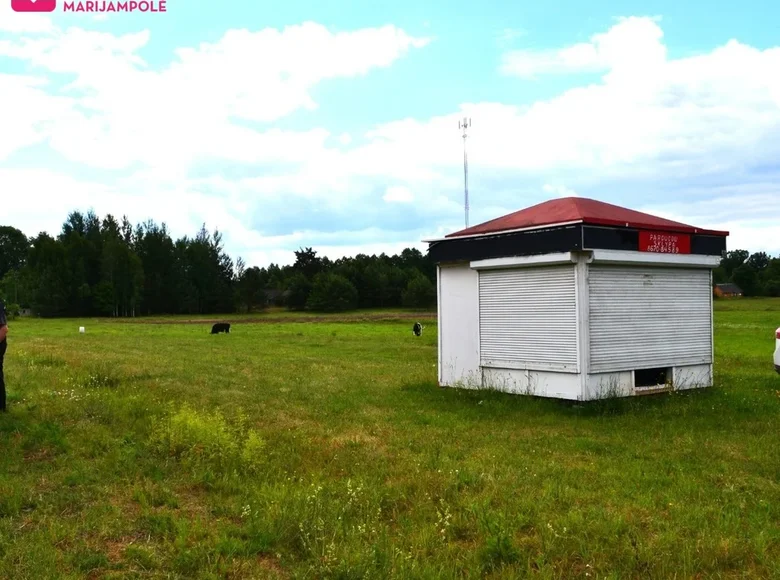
557, 239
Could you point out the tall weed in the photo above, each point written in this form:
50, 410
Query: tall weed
208, 442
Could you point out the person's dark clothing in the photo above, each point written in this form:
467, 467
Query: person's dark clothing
3, 348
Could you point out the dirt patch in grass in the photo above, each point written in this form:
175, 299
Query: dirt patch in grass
355, 438
267, 566
40, 454
272, 566
115, 549
284, 421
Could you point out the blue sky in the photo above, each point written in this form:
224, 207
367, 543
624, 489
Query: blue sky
334, 124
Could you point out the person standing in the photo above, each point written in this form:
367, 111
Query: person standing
3, 348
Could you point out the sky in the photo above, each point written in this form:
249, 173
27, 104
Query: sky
334, 125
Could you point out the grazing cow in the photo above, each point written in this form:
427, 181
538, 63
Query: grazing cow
220, 327
417, 329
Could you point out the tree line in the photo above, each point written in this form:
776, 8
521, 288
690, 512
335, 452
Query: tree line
109, 267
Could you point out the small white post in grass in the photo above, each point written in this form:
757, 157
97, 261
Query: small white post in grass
81, 330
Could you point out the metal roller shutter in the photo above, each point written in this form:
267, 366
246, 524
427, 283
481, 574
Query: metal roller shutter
528, 318
649, 317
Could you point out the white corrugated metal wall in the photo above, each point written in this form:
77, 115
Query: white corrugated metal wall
528, 318
648, 317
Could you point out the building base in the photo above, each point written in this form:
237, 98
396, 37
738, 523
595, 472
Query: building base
590, 387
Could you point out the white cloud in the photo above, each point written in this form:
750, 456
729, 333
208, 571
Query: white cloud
633, 43
173, 117
751, 218
702, 111
43, 198
679, 119
507, 35
17, 22
559, 190
398, 194
26, 112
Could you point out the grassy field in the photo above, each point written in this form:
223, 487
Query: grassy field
324, 449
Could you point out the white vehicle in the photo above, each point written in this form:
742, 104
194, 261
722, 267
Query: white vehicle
777, 350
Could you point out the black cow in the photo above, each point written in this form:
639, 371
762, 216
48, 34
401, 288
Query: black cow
417, 329
220, 327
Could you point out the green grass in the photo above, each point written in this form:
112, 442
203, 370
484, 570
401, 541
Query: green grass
324, 449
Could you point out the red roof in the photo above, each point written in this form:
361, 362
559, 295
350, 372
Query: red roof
580, 210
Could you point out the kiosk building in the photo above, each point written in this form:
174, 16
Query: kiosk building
577, 299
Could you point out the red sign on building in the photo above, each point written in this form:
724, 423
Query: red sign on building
664, 242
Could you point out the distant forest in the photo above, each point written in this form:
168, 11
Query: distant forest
108, 267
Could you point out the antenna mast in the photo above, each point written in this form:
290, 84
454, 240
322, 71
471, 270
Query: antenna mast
465, 124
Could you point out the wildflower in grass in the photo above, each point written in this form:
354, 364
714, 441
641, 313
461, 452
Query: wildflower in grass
443, 523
